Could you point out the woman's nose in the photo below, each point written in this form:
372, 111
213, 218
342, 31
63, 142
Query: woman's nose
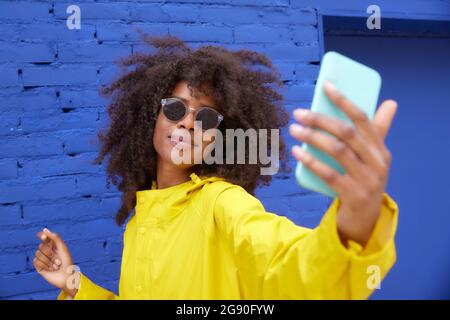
188, 121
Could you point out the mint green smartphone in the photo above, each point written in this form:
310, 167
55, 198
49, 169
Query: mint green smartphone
358, 83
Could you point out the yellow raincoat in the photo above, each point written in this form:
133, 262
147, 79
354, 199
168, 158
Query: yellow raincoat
209, 239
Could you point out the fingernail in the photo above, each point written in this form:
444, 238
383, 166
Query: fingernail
46, 230
300, 113
296, 128
298, 151
57, 261
329, 85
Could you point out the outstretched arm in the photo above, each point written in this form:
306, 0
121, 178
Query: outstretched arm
277, 259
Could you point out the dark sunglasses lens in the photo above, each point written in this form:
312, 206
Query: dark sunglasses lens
208, 118
174, 110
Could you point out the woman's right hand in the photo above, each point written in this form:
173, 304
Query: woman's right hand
53, 262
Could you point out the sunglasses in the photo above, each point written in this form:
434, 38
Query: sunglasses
175, 110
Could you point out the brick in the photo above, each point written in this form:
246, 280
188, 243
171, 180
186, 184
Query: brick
14, 10
289, 52
114, 248
286, 70
17, 238
244, 15
39, 295
311, 203
201, 33
258, 3
36, 189
55, 31
109, 11
279, 187
156, 12
143, 48
36, 99
11, 32
79, 163
93, 229
306, 72
310, 220
108, 73
10, 123
261, 33
25, 236
31, 285
72, 210
200, 1
92, 52
93, 184
92, 250
54, 120
26, 52
8, 169
229, 15
299, 92
99, 272
13, 262
280, 15
104, 119
305, 35
8, 76
64, 75
271, 3
30, 145
9, 215
78, 141
109, 205
23, 283
277, 205
116, 31
76, 98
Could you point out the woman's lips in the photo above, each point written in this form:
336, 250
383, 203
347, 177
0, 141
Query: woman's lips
181, 141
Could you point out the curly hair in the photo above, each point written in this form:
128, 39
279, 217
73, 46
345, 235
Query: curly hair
244, 84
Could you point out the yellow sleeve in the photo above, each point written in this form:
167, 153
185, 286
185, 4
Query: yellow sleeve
277, 259
88, 290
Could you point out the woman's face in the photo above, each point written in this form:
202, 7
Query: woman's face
177, 139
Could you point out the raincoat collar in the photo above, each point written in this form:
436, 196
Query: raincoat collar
157, 206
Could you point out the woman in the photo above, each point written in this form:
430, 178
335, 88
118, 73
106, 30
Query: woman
197, 231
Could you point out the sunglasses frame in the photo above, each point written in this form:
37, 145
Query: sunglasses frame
188, 110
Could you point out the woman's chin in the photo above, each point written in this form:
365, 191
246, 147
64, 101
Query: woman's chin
179, 159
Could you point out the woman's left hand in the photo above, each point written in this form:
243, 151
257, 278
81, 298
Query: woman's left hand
360, 150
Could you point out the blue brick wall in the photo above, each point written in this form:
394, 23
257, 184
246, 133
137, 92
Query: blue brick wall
50, 113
